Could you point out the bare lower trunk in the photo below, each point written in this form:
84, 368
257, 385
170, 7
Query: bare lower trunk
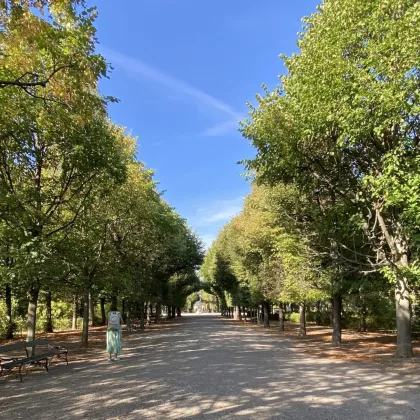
363, 314
92, 310
318, 313
173, 312
403, 315
103, 314
178, 312
258, 315
281, 317
266, 308
31, 316
302, 319
141, 310
48, 310
128, 316
148, 315
75, 311
9, 319
85, 328
336, 320
158, 312
237, 313
114, 303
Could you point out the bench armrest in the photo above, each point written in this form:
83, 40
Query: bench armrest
8, 359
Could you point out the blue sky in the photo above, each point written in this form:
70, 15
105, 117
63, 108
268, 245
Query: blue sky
184, 71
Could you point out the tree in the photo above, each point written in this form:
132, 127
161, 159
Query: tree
343, 126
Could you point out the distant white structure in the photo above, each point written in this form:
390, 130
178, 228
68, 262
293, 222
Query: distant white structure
198, 306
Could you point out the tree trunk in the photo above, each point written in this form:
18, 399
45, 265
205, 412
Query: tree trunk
258, 315
363, 314
236, 313
318, 313
9, 319
403, 315
123, 310
178, 312
48, 310
158, 312
114, 303
148, 316
281, 317
75, 311
244, 312
336, 319
92, 310
266, 307
128, 316
103, 314
85, 328
239, 314
302, 320
31, 316
141, 309
173, 311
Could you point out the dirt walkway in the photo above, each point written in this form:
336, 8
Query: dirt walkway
206, 367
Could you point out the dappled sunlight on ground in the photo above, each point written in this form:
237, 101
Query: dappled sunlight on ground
207, 367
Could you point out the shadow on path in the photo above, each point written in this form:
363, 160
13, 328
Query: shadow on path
207, 367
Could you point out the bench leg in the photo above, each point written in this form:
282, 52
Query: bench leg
46, 365
67, 360
20, 373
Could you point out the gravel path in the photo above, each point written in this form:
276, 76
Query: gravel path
209, 368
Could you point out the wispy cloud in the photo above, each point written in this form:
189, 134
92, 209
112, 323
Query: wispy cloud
137, 68
219, 211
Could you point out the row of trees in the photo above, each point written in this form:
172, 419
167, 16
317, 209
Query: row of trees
79, 214
335, 204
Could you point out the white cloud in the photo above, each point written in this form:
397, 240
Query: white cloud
222, 128
219, 211
135, 67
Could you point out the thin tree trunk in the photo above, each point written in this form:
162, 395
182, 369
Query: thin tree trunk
302, 319
148, 309
158, 312
318, 313
239, 314
9, 319
178, 311
266, 307
128, 316
31, 316
103, 314
75, 311
114, 303
85, 328
258, 315
92, 310
48, 310
336, 320
363, 323
281, 317
141, 309
173, 311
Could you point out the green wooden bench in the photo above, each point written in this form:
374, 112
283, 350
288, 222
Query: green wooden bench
43, 359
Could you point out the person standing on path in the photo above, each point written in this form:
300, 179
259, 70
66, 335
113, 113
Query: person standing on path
114, 335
